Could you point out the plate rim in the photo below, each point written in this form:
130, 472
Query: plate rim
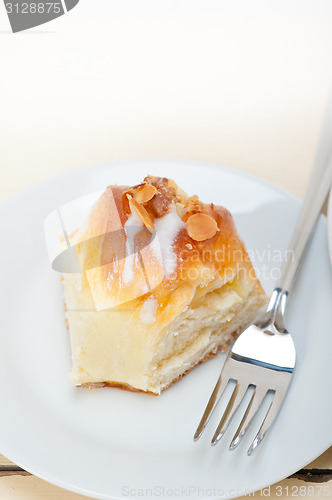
125, 162
329, 224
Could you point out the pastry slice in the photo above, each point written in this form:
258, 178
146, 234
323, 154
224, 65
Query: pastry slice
166, 282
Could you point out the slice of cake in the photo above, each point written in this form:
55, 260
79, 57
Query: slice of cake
166, 282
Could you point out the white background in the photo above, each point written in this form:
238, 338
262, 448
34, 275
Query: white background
243, 84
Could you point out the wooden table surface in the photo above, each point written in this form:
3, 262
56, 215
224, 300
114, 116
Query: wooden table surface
242, 88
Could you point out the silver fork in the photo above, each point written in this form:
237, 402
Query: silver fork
264, 354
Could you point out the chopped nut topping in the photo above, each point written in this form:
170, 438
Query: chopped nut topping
172, 184
201, 227
166, 193
161, 203
141, 212
158, 182
194, 204
144, 193
181, 209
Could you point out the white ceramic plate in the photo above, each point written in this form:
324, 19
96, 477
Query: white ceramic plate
114, 444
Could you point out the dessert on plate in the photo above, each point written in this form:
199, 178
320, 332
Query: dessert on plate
165, 283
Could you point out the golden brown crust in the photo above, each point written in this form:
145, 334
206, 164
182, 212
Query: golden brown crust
206, 259
115, 385
198, 262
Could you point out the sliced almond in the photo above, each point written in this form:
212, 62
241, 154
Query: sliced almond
141, 212
127, 191
145, 193
201, 227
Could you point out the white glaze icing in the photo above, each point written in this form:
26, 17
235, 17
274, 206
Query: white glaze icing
167, 229
132, 227
148, 310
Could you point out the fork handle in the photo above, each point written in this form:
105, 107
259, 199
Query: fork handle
311, 208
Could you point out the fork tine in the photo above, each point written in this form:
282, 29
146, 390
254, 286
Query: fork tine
233, 404
214, 398
268, 420
253, 406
